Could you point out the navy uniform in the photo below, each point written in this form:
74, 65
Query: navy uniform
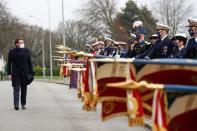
153, 39
191, 48
131, 42
179, 50
140, 48
108, 46
88, 48
142, 45
163, 47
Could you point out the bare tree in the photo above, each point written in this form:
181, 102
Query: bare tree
77, 33
173, 12
99, 13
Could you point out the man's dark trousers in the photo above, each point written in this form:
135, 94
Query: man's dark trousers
20, 87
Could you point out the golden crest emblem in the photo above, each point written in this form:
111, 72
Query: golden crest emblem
108, 107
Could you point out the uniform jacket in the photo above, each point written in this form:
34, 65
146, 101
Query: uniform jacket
161, 49
180, 54
191, 49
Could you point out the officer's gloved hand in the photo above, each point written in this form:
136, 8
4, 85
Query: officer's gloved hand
147, 58
136, 57
133, 58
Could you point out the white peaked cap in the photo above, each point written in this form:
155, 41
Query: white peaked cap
162, 26
100, 42
108, 39
87, 45
154, 35
116, 43
192, 22
183, 35
137, 24
96, 43
122, 43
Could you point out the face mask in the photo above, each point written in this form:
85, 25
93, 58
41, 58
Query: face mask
158, 34
22, 45
191, 33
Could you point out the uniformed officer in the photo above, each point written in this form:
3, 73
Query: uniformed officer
100, 48
140, 32
131, 43
180, 40
108, 46
116, 51
88, 48
191, 48
95, 48
123, 50
153, 39
164, 46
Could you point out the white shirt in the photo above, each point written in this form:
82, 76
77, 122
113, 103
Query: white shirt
164, 37
181, 48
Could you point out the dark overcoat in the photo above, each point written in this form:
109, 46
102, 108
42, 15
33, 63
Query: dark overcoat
19, 64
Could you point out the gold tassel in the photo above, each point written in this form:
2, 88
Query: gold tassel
79, 96
154, 127
87, 101
162, 129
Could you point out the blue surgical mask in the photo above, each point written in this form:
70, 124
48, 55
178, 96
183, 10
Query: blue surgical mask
191, 32
158, 34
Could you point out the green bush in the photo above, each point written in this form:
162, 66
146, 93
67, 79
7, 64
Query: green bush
38, 70
56, 71
47, 72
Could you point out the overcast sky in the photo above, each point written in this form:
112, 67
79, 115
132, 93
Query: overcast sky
39, 9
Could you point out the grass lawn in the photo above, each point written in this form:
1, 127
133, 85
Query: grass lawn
49, 77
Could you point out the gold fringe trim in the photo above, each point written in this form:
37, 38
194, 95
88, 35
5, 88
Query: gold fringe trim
94, 100
138, 121
79, 96
86, 101
162, 129
155, 128
112, 98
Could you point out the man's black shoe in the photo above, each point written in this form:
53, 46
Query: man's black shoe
16, 108
23, 107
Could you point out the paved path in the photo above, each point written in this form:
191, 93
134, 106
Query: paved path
52, 107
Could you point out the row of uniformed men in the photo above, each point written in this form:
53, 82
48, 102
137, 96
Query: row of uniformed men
161, 46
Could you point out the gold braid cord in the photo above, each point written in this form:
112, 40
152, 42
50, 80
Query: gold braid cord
132, 85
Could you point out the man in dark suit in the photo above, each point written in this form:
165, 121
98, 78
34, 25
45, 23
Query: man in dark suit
19, 64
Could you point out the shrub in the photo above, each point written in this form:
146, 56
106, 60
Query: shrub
38, 70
